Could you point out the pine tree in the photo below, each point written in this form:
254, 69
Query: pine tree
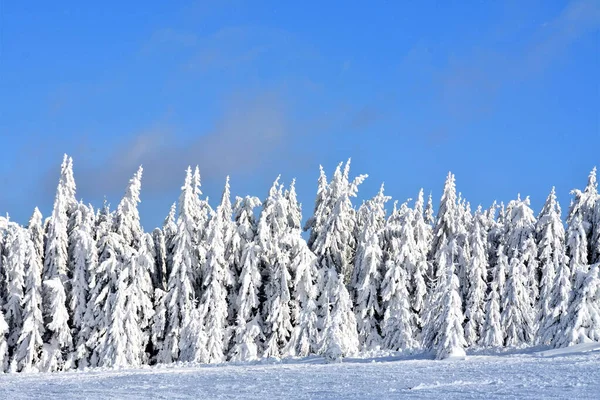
476, 277
368, 267
58, 346
36, 233
28, 352
423, 236
276, 310
3, 345
581, 322
15, 253
334, 249
305, 335
493, 332
518, 313
169, 229
550, 234
247, 331
159, 277
443, 331
180, 298
400, 324
317, 220
213, 305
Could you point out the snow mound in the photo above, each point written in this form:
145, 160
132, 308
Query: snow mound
575, 349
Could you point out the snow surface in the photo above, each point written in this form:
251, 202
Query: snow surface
565, 373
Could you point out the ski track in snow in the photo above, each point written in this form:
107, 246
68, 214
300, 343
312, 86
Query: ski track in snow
563, 374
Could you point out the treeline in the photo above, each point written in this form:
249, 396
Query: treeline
89, 288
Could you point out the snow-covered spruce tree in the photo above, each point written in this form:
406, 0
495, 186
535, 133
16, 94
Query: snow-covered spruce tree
443, 332
127, 217
15, 247
476, 278
213, 305
55, 275
368, 267
423, 237
28, 351
554, 289
445, 226
334, 249
101, 328
83, 261
428, 213
581, 322
305, 334
247, 331
519, 297
201, 214
400, 324
180, 297
276, 310
580, 226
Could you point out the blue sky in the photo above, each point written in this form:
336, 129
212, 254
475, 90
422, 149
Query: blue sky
504, 94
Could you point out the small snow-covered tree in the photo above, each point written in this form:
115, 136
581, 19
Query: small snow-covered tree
58, 343
493, 332
36, 233
476, 278
321, 210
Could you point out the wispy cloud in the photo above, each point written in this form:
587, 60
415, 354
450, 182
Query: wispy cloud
251, 130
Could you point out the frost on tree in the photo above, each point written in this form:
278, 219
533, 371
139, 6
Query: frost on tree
58, 342
169, 230
367, 273
15, 247
443, 331
463, 245
3, 345
443, 326
305, 335
581, 323
493, 332
28, 352
315, 223
180, 299
521, 288
580, 226
213, 305
423, 236
333, 248
400, 324
476, 278
36, 233
555, 282
247, 327
159, 277
276, 307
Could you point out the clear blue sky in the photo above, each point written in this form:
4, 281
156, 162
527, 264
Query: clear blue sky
504, 94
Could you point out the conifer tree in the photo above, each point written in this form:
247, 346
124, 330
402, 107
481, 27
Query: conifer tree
180, 298
553, 301
276, 308
127, 217
580, 226
400, 324
423, 237
476, 278
368, 267
3, 345
519, 296
14, 263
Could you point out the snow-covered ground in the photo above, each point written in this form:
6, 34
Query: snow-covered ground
571, 373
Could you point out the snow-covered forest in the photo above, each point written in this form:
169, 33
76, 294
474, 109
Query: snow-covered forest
87, 287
